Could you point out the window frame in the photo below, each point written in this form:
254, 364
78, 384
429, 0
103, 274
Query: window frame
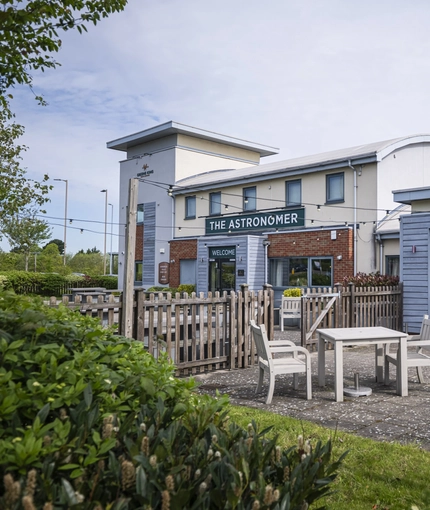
328, 186
281, 268
215, 211
140, 209
247, 200
189, 199
288, 202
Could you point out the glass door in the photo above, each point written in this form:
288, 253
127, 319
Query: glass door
222, 275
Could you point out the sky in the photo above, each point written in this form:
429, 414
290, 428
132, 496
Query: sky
305, 76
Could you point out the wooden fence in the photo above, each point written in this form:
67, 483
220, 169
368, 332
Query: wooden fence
349, 307
199, 333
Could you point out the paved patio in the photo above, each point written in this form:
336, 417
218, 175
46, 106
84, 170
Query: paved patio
382, 416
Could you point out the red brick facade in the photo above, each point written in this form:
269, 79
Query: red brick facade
139, 243
317, 243
180, 250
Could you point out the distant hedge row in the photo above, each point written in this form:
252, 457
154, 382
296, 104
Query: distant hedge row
51, 284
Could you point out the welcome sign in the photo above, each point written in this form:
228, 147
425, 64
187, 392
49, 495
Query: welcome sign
285, 218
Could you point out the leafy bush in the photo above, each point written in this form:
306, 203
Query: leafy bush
371, 280
293, 292
51, 284
188, 288
157, 288
89, 420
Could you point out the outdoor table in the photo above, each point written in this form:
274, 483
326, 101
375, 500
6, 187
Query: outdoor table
377, 336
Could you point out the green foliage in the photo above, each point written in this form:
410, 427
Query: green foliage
371, 280
51, 284
188, 288
30, 32
90, 420
59, 243
88, 263
292, 292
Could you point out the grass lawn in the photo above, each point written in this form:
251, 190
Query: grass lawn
374, 475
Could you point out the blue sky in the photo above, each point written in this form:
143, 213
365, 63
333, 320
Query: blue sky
306, 76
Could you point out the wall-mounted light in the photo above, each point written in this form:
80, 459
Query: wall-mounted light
172, 261
318, 208
414, 249
226, 207
339, 257
312, 222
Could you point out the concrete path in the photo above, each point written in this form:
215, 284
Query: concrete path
382, 416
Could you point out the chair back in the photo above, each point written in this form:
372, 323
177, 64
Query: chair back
425, 328
261, 342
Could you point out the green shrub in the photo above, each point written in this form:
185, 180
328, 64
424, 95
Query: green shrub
188, 288
155, 289
90, 420
293, 292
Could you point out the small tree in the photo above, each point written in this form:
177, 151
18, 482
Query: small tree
59, 243
25, 232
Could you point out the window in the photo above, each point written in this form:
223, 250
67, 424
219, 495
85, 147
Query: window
293, 193
140, 214
392, 265
250, 199
138, 271
190, 207
301, 272
188, 272
334, 188
215, 203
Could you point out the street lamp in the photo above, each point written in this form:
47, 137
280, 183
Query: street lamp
65, 217
106, 204
111, 230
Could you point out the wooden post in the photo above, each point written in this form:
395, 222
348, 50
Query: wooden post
130, 247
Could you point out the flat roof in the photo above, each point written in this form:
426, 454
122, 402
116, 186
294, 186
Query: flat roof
172, 128
406, 196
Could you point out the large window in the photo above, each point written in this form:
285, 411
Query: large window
215, 203
250, 199
190, 207
140, 213
335, 188
301, 272
293, 192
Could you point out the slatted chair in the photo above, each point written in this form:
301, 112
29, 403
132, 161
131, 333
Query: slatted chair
290, 309
291, 364
416, 358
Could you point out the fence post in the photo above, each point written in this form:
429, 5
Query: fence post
338, 320
269, 312
351, 305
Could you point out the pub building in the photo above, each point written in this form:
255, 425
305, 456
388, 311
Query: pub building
212, 215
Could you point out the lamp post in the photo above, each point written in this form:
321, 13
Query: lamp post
65, 216
104, 251
111, 230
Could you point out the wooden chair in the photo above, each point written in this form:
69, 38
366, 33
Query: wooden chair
291, 364
416, 358
290, 309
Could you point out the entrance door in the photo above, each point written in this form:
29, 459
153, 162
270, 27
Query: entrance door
222, 275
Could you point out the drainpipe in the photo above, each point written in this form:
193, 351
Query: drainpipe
381, 252
355, 215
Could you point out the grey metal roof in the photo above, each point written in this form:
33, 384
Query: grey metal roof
171, 128
406, 196
360, 154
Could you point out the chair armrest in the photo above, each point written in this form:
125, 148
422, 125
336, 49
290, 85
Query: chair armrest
419, 343
280, 343
293, 350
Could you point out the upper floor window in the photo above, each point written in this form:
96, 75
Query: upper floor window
293, 192
140, 213
215, 203
335, 188
250, 199
190, 207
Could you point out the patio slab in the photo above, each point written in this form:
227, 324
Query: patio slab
382, 416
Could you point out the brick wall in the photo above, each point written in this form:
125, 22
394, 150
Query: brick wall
180, 250
317, 243
139, 243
